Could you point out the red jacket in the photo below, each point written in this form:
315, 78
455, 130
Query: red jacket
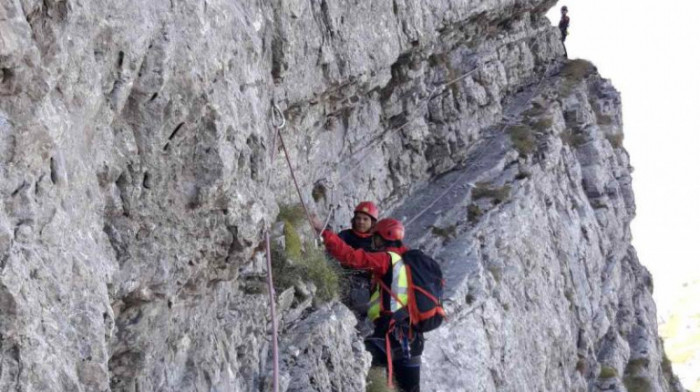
377, 262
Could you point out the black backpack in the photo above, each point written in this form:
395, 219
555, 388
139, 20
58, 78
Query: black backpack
424, 310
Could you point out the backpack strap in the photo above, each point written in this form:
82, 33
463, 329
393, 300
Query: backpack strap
388, 290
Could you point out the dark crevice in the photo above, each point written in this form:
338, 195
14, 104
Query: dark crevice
54, 171
120, 59
20, 188
6, 74
122, 184
7, 87
147, 182
177, 128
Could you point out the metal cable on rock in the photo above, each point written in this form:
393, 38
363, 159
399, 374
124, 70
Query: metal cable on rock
459, 179
370, 147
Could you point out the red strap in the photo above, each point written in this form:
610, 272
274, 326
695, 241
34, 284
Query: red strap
389, 362
427, 294
388, 290
432, 312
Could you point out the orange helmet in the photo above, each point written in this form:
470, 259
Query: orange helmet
367, 207
389, 229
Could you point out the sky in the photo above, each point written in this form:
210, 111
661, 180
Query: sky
651, 52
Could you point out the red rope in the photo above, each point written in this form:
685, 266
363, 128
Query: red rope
273, 315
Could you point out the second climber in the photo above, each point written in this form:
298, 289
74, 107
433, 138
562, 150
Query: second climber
359, 237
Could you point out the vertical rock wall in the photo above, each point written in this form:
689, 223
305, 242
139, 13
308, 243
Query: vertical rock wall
138, 170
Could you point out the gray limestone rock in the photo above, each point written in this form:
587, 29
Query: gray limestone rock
139, 169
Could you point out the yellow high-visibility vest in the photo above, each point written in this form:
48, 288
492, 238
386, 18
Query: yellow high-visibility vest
399, 286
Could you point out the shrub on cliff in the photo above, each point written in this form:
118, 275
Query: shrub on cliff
297, 261
577, 70
522, 138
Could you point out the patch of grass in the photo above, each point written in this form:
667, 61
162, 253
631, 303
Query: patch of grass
295, 262
572, 139
322, 271
376, 380
615, 139
536, 110
637, 384
474, 213
542, 124
607, 372
292, 213
667, 368
498, 194
573, 73
292, 242
444, 232
567, 87
577, 70
635, 365
522, 138
285, 274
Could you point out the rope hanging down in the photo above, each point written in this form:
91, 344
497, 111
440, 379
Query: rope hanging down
279, 124
270, 285
279, 113
273, 316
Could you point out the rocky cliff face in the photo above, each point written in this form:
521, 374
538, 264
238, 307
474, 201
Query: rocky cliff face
139, 170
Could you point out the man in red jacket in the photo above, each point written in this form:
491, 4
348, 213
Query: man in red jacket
390, 346
359, 237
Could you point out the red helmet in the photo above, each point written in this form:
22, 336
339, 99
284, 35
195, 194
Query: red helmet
389, 229
367, 207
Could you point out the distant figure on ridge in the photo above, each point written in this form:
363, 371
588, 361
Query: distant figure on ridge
564, 26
